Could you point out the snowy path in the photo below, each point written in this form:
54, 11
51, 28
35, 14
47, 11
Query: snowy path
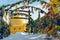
26, 36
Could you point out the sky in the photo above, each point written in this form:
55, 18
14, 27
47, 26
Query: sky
4, 2
34, 15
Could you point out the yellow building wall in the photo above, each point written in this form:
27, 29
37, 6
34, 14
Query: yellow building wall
17, 25
55, 9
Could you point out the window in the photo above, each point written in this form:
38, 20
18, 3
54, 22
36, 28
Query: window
19, 28
54, 5
58, 0
14, 28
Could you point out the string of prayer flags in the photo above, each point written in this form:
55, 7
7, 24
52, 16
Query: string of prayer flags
47, 5
44, 6
41, 2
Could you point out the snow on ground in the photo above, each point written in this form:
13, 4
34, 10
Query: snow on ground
26, 36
